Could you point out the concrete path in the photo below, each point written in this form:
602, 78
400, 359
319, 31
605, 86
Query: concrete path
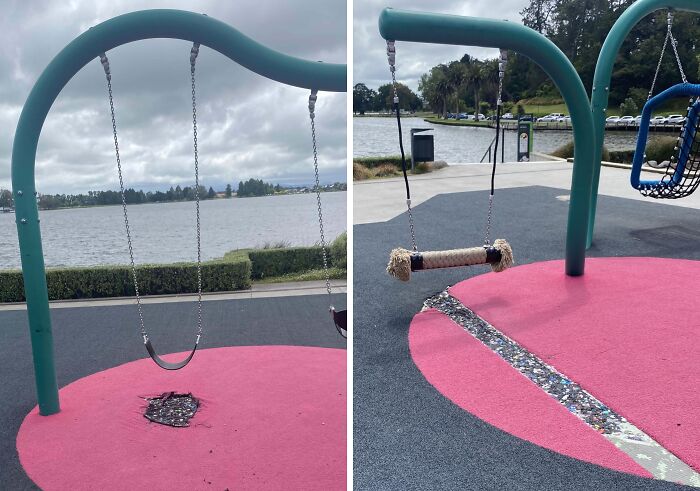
380, 200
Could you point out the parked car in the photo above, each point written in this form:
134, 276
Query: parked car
562, 118
472, 117
462, 116
612, 120
508, 116
657, 120
637, 120
550, 118
627, 120
675, 119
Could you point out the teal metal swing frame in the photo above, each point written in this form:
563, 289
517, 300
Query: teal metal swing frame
127, 28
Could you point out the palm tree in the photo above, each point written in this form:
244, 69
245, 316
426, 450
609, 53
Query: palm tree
475, 75
435, 88
456, 74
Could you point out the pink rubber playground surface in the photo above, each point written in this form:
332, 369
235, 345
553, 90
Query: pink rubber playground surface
272, 417
627, 331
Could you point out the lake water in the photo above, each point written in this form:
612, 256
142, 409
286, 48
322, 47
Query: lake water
165, 232
378, 136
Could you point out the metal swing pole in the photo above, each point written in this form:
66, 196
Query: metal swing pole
402, 25
603, 75
135, 26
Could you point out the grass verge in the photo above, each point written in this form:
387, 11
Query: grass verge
380, 167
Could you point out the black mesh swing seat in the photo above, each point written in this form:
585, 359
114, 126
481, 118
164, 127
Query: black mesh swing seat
682, 171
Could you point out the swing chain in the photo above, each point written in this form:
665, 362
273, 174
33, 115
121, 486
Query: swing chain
144, 334
502, 61
108, 74
317, 188
671, 37
193, 58
391, 57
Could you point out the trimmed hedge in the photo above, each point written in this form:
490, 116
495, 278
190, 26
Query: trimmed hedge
278, 262
339, 251
115, 281
234, 272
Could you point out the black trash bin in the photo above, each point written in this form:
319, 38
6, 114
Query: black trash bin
422, 147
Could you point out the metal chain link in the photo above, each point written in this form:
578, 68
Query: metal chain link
193, 60
144, 333
391, 57
669, 35
317, 188
503, 59
489, 218
674, 45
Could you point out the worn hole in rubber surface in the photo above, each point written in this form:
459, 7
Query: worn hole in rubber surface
172, 409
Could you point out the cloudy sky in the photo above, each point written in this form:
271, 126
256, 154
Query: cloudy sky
248, 126
415, 59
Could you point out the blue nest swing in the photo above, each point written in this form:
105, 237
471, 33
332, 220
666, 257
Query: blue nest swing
682, 174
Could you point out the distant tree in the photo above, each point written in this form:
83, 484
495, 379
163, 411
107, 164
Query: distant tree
456, 75
255, 187
211, 194
475, 77
629, 107
362, 98
435, 89
229, 191
383, 100
408, 100
6, 198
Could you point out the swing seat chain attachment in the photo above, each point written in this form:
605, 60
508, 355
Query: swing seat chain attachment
144, 333
339, 317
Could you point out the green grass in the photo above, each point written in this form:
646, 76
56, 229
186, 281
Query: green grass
456, 122
367, 168
312, 275
676, 106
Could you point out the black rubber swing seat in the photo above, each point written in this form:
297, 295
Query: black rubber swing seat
340, 318
166, 364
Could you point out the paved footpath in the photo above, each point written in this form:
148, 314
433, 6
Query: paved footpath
379, 200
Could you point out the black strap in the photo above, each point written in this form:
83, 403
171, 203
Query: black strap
403, 155
340, 319
495, 148
166, 364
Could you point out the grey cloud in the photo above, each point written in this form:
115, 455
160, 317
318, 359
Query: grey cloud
414, 59
248, 126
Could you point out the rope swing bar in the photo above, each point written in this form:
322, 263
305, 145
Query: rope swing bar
402, 261
499, 255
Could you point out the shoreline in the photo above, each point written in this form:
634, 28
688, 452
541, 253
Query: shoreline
182, 201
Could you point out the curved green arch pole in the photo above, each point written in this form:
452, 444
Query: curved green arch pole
401, 25
120, 30
603, 75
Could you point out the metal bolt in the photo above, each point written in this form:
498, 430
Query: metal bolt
23, 220
19, 193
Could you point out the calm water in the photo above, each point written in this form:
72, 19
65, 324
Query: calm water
375, 136
164, 233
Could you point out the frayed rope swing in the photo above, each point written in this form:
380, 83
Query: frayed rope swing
402, 261
499, 255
